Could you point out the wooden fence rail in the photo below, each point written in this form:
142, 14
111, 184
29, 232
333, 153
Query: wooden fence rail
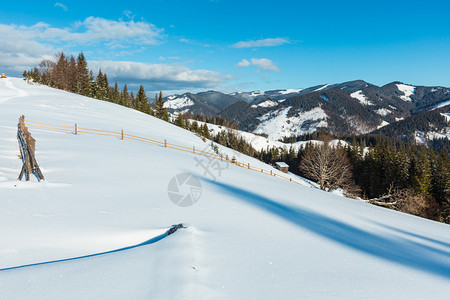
123, 135
27, 152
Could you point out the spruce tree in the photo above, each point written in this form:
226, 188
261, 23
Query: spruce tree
441, 184
59, 72
83, 80
72, 74
125, 97
92, 85
115, 95
179, 121
159, 109
423, 174
141, 101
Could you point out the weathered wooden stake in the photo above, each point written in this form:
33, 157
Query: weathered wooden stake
122, 134
193, 149
248, 165
76, 129
165, 143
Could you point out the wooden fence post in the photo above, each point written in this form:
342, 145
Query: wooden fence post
193, 149
248, 165
27, 146
165, 143
76, 129
122, 134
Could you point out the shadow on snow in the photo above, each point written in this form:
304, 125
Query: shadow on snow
386, 246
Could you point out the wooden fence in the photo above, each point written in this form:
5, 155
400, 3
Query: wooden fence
27, 152
75, 129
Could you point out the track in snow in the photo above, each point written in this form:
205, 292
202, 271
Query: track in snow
10, 85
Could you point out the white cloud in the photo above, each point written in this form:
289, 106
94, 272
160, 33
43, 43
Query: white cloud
129, 14
23, 47
261, 43
262, 63
265, 64
160, 76
243, 63
58, 4
91, 30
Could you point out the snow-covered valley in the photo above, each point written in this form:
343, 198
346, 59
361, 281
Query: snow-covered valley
96, 228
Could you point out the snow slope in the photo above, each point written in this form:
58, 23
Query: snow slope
249, 235
407, 90
178, 103
278, 125
361, 97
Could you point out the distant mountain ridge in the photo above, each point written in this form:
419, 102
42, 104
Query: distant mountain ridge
354, 107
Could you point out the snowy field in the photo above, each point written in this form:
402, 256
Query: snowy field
96, 228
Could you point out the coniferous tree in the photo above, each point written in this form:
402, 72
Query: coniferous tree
179, 121
125, 97
159, 109
92, 85
59, 72
115, 95
422, 177
141, 101
441, 184
83, 80
72, 74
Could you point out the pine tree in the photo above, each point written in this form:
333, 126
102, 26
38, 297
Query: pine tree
125, 97
423, 174
72, 74
141, 101
59, 72
159, 109
92, 85
179, 121
441, 184
83, 80
115, 95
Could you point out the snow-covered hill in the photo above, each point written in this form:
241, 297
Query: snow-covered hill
96, 228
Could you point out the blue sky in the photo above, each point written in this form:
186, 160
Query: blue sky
176, 45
